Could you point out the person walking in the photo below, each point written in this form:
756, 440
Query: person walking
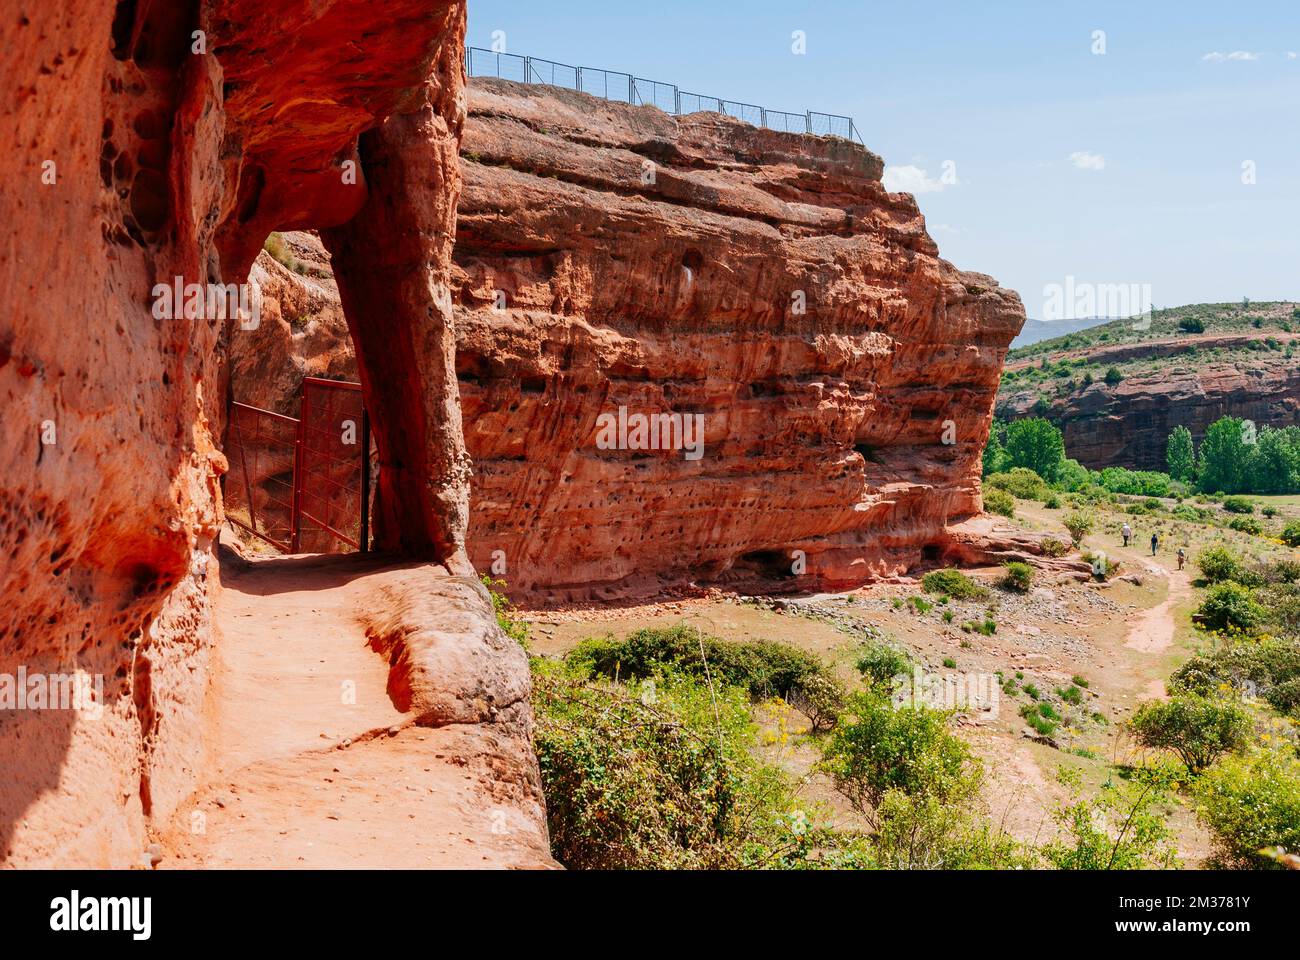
1127, 531
1182, 555
1155, 542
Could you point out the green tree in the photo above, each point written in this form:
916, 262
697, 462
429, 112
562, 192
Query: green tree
995, 454
1036, 444
1113, 376
1197, 729
1225, 457
1275, 465
1180, 454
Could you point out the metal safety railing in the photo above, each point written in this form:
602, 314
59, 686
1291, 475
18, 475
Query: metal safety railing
668, 97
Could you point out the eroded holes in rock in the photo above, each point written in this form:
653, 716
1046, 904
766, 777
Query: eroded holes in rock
532, 385
768, 563
868, 452
149, 201
123, 28
471, 367
925, 414
152, 154
692, 261
144, 579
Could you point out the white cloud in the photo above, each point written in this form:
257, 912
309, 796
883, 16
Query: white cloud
1290, 54
1088, 161
949, 229
1217, 57
911, 179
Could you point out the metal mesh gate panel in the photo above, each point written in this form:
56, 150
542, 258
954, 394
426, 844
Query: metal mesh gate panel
260, 484
332, 485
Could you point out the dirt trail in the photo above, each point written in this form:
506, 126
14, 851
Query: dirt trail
1153, 630
310, 763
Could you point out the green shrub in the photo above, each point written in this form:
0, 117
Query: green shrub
516, 630
1054, 548
1000, 502
950, 663
1238, 505
1197, 729
1019, 577
1245, 525
878, 748
1033, 691
1268, 668
927, 833
763, 668
1071, 695
1113, 376
1079, 524
1020, 482
1039, 723
685, 790
1219, 564
920, 604
1079, 681
1229, 605
880, 663
953, 583
1250, 804
1283, 571
1085, 842
947, 616
1291, 533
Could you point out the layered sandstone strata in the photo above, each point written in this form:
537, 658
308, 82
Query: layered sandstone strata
1128, 424
697, 265
610, 257
150, 140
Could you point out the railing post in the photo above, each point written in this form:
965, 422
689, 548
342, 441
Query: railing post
295, 511
365, 478
528, 69
578, 72
808, 121
762, 116
677, 102
631, 89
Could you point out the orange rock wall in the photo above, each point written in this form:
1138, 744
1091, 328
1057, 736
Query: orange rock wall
137, 151
609, 256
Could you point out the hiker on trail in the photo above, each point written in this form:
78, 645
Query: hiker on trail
1155, 542
1127, 531
1182, 555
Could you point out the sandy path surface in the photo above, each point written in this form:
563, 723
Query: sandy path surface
1153, 630
311, 765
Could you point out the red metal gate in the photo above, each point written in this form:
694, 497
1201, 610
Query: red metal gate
303, 484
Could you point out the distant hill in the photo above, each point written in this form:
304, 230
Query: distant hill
1035, 331
1222, 318
1118, 388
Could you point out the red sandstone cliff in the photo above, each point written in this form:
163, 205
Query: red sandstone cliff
609, 256
149, 140
1128, 424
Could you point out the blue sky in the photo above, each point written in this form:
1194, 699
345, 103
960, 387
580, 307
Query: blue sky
1119, 168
